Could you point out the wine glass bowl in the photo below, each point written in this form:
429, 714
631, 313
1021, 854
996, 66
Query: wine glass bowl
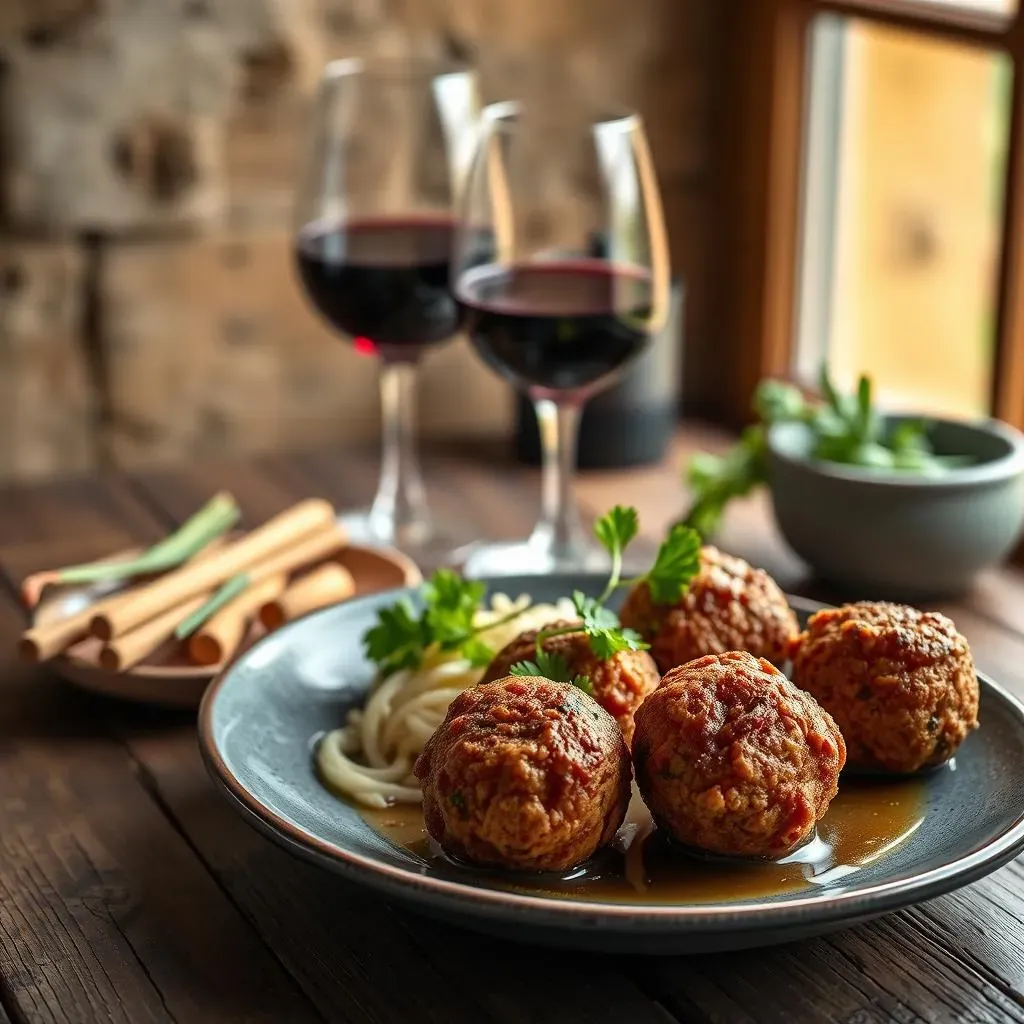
560, 329
561, 267
382, 281
374, 227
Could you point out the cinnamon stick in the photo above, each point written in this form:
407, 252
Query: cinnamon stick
219, 637
40, 643
280, 536
324, 586
323, 545
137, 644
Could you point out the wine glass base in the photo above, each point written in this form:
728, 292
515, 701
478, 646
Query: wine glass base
521, 558
430, 544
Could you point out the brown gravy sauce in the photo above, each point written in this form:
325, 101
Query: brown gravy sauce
868, 819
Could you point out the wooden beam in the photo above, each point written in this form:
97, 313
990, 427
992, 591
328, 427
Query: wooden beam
762, 118
1008, 375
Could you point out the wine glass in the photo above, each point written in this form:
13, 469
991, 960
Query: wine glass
561, 265
390, 143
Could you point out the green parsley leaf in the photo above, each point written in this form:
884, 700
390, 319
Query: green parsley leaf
525, 668
477, 652
451, 604
616, 528
910, 436
545, 664
841, 405
676, 564
398, 640
401, 638
715, 480
604, 633
593, 613
552, 666
601, 626
704, 470
775, 401
606, 643
583, 683
871, 456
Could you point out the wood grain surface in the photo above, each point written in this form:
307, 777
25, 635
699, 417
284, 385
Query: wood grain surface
130, 891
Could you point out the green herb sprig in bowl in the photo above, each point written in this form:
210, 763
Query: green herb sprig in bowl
846, 429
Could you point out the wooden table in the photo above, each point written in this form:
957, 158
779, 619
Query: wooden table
130, 891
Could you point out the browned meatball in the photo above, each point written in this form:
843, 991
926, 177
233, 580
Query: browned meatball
729, 606
900, 682
525, 774
620, 683
732, 758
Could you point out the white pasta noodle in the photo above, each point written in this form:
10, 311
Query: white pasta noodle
371, 757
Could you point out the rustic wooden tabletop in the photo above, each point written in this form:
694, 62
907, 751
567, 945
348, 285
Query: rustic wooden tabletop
130, 891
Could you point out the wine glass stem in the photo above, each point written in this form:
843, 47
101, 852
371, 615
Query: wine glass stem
559, 531
400, 503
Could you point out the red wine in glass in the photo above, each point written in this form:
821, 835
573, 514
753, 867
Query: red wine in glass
561, 266
558, 327
373, 233
382, 280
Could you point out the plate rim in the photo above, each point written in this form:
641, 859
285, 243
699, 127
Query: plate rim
484, 902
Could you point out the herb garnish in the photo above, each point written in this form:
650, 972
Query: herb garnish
677, 562
401, 638
552, 666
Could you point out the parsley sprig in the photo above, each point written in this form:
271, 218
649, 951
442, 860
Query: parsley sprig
677, 562
551, 665
402, 638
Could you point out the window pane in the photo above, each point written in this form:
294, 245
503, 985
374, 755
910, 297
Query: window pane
902, 214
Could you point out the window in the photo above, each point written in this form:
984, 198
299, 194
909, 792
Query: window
904, 170
873, 185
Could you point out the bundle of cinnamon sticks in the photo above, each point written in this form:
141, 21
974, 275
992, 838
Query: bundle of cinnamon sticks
202, 588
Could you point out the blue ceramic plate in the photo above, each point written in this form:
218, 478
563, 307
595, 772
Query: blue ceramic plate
259, 723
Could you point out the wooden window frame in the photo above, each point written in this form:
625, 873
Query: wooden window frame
763, 97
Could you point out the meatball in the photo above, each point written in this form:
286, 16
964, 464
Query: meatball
900, 682
620, 683
733, 759
525, 774
728, 606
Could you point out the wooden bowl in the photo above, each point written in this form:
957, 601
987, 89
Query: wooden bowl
167, 678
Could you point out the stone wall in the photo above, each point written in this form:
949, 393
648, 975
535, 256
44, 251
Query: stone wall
148, 310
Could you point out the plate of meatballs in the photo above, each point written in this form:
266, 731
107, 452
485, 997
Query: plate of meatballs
689, 760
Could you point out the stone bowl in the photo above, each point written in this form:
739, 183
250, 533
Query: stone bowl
898, 535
